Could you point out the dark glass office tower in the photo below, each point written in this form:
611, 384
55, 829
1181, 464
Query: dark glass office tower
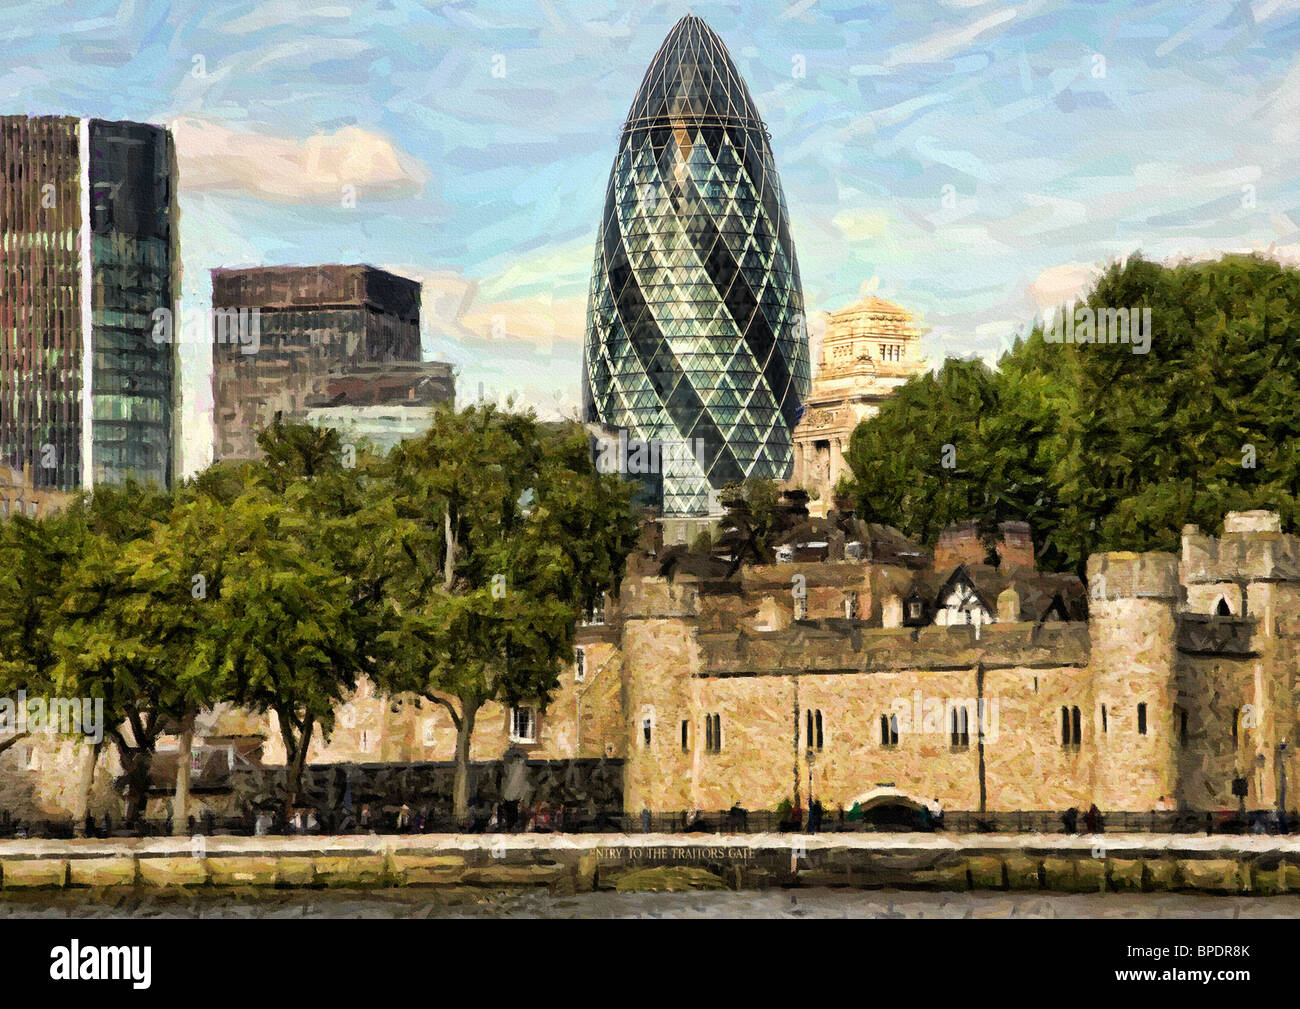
695, 323
88, 256
134, 271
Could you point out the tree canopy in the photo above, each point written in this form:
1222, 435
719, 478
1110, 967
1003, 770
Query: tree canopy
1096, 446
505, 534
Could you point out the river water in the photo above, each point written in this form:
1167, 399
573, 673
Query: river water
800, 903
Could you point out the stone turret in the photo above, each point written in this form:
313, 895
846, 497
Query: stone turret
1132, 602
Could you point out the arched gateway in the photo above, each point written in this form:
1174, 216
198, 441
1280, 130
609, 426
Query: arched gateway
892, 807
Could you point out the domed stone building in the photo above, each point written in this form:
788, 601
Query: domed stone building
871, 348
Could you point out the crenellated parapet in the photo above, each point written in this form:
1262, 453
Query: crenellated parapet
660, 598
835, 646
1128, 575
1253, 548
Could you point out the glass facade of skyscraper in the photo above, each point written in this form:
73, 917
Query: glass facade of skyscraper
132, 216
696, 336
40, 300
88, 254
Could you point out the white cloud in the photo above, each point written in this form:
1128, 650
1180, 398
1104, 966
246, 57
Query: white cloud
274, 15
287, 170
1284, 112
1059, 285
1265, 9
942, 44
461, 310
861, 225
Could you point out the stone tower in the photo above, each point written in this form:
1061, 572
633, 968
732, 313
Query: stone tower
871, 347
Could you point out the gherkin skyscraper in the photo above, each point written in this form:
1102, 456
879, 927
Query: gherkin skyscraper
695, 323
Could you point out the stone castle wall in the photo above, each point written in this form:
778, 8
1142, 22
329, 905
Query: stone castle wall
1175, 700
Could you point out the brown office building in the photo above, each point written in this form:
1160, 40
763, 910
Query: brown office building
88, 263
291, 339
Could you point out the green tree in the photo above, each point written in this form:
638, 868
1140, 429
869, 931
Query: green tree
301, 595
35, 557
921, 475
110, 642
505, 535
752, 520
1099, 447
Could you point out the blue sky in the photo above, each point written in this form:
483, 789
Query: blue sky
974, 161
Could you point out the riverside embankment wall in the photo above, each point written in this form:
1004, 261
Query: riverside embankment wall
1260, 865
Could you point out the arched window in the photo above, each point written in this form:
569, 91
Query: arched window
888, 730
1223, 609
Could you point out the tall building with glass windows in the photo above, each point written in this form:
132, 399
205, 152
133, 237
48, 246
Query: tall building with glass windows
696, 335
88, 258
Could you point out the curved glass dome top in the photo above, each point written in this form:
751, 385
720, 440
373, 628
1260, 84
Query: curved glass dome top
695, 324
692, 77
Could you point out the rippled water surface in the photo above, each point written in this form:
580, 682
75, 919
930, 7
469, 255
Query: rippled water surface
801, 903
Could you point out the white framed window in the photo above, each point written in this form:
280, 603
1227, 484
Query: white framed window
579, 664
430, 732
801, 608
523, 724
851, 606
646, 726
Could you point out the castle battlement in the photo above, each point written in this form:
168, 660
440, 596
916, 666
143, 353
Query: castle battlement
660, 598
837, 646
1252, 548
1130, 575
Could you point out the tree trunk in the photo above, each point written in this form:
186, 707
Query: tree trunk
136, 764
449, 556
86, 780
296, 761
184, 756
460, 790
